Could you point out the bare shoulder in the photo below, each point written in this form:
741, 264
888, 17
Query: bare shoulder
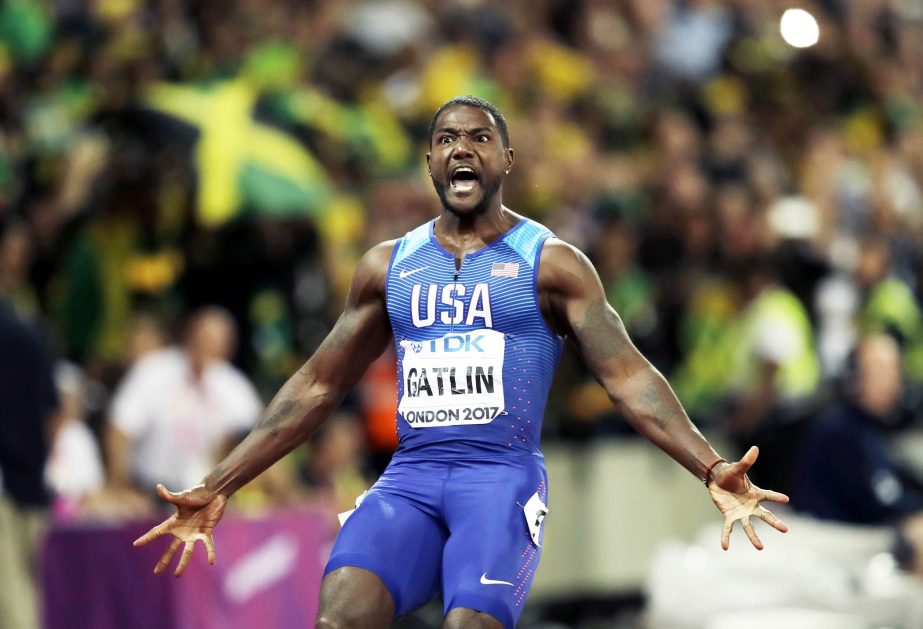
372, 270
567, 283
560, 253
564, 267
378, 257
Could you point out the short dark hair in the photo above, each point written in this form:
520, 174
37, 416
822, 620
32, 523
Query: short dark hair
480, 103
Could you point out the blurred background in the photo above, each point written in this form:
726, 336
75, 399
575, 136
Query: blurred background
185, 189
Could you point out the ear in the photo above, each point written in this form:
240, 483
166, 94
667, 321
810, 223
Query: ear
509, 159
429, 170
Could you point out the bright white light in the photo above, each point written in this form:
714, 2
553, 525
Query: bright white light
799, 28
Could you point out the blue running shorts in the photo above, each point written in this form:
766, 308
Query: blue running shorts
468, 528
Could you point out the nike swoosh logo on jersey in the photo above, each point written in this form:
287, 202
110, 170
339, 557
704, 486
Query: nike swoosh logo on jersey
487, 581
406, 273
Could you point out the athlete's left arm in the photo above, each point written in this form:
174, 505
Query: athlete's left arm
575, 303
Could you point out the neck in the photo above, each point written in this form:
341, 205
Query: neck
492, 222
197, 366
880, 410
465, 234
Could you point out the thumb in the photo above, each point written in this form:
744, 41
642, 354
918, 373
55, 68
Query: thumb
747, 460
166, 495
193, 497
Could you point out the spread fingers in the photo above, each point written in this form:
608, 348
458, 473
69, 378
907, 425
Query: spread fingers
766, 516
751, 534
210, 547
151, 535
773, 496
188, 547
167, 556
726, 534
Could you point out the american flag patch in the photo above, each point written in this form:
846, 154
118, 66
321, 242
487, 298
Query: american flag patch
505, 269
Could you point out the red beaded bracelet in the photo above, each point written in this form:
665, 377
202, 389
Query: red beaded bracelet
707, 479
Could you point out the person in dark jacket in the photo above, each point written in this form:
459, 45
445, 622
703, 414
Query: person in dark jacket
28, 401
845, 471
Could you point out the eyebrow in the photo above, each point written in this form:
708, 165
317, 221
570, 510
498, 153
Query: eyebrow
455, 130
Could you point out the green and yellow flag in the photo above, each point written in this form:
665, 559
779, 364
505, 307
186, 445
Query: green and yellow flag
243, 165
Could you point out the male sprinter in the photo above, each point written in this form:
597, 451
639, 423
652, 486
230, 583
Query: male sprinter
477, 302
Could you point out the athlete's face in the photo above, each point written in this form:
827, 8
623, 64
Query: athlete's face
467, 160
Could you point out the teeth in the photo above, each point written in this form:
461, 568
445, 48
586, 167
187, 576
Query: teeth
464, 185
467, 184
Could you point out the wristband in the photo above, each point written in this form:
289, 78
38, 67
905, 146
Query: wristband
707, 479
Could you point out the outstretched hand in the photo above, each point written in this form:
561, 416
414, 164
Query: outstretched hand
198, 510
739, 499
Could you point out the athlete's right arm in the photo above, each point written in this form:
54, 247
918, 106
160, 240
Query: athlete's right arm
303, 403
312, 393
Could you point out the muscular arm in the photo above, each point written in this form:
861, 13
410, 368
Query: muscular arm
575, 303
310, 396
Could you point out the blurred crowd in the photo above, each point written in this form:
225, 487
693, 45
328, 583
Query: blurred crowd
185, 187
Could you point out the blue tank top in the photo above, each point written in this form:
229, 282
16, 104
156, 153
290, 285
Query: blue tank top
475, 356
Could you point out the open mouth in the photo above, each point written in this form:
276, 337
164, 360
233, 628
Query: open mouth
464, 179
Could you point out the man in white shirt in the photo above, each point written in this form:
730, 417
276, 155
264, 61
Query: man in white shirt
177, 408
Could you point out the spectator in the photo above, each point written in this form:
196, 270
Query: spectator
845, 472
75, 467
693, 39
27, 403
774, 365
146, 334
774, 372
889, 304
16, 250
178, 408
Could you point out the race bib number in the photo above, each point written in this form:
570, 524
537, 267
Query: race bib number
456, 380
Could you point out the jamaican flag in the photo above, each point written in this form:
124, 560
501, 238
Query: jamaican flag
244, 166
